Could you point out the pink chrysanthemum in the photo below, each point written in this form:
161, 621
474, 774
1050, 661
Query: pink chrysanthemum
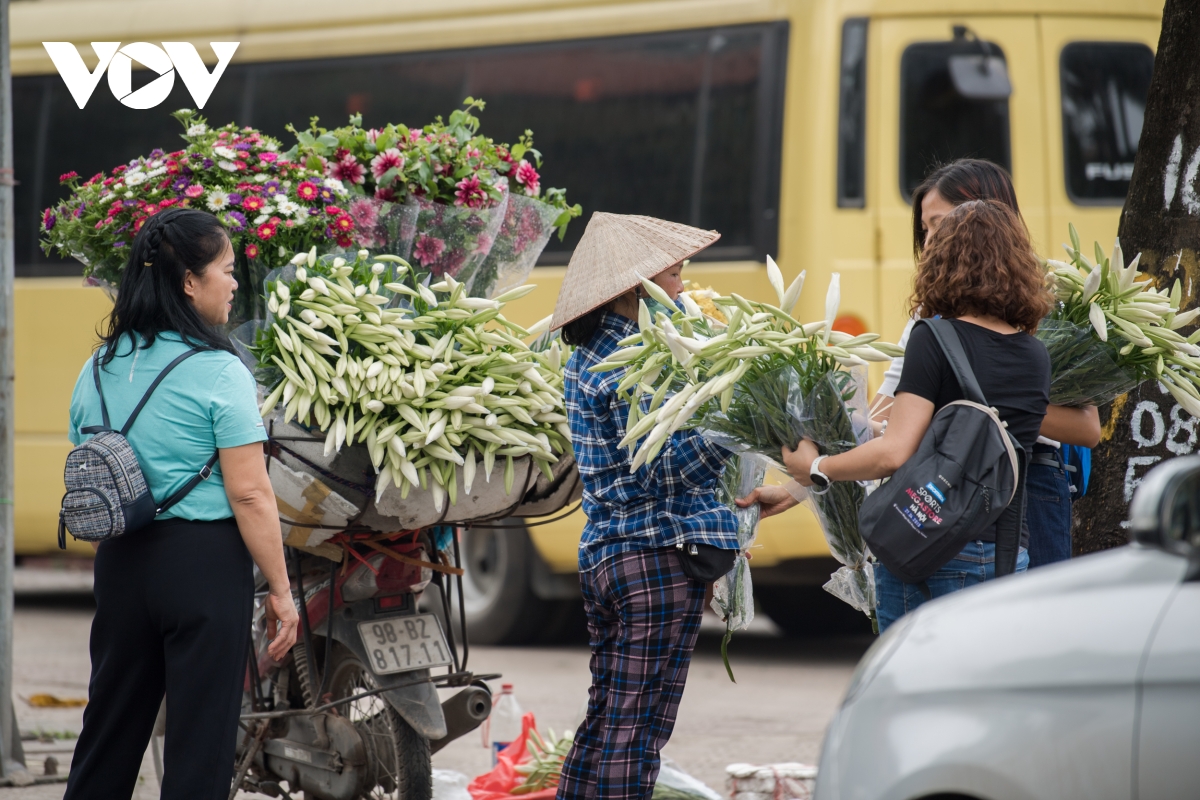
528, 177
365, 214
429, 249
469, 192
388, 159
348, 170
195, 190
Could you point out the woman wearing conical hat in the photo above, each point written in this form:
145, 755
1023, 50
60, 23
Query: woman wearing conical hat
643, 608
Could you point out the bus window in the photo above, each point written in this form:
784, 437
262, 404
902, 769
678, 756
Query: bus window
937, 122
684, 125
1104, 86
852, 116
681, 125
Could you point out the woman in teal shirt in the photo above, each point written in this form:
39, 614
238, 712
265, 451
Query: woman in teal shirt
174, 599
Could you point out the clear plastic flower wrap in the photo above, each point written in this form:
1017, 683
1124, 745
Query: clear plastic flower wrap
733, 593
523, 235
773, 411
384, 227
834, 415
453, 240
1083, 369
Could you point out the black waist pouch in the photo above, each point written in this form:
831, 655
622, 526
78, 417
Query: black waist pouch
705, 562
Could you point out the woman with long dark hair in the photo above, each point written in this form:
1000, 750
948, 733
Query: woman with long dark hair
174, 599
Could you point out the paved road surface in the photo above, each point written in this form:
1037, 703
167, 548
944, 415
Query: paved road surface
787, 692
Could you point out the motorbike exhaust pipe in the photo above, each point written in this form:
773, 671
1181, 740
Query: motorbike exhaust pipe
464, 712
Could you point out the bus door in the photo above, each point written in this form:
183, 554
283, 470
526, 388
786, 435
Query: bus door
1097, 73
946, 88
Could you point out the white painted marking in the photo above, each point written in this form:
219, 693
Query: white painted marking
1191, 202
1171, 177
1137, 420
1132, 479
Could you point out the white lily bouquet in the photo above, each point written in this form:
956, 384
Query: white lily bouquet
759, 382
430, 380
1112, 329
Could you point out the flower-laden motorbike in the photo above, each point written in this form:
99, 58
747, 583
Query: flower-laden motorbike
353, 710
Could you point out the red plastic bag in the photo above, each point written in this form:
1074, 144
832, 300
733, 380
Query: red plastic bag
500, 782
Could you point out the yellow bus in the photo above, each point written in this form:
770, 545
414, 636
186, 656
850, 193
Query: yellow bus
796, 128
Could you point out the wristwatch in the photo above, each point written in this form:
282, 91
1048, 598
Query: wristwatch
819, 479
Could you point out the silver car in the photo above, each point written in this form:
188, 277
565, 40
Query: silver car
1077, 680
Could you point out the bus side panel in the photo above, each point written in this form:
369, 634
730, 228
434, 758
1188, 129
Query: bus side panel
56, 321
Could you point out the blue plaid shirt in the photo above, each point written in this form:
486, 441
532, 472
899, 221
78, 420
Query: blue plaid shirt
666, 502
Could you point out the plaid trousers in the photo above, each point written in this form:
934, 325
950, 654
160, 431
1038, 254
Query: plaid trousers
643, 619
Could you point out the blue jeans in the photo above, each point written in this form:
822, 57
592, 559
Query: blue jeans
974, 564
1048, 515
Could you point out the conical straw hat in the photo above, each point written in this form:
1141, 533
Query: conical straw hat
616, 252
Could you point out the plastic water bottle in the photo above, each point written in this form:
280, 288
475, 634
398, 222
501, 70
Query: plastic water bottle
504, 724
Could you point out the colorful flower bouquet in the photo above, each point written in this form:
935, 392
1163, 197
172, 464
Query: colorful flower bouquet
1111, 329
270, 205
444, 197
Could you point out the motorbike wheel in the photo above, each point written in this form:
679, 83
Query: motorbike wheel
399, 765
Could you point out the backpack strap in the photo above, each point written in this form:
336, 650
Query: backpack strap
192, 483
142, 403
1008, 527
107, 426
947, 337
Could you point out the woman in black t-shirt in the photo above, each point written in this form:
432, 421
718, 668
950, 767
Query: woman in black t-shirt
979, 270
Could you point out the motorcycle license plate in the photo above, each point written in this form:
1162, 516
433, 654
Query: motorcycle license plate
400, 644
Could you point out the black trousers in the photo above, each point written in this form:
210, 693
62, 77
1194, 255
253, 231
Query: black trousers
173, 606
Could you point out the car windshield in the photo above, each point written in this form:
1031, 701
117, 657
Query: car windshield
1104, 87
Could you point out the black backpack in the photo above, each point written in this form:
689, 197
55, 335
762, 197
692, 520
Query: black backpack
968, 473
107, 494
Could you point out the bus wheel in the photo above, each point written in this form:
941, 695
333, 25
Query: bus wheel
501, 607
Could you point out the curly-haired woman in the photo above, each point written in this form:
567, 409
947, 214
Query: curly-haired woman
979, 271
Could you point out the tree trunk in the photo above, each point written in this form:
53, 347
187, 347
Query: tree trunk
1161, 220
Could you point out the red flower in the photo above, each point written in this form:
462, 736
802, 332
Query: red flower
268, 156
348, 170
172, 167
388, 159
252, 250
469, 193
151, 209
528, 177
94, 178
265, 231
345, 241
344, 223
503, 154
66, 176
332, 211
118, 170
429, 248
385, 193
253, 203
307, 190
138, 223
240, 164
168, 202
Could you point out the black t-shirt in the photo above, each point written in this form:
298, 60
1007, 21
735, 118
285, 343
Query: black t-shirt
1013, 371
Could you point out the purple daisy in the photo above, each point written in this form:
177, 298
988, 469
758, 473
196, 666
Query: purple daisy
118, 244
271, 188
325, 194
237, 220
180, 184
235, 199
208, 163
156, 153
